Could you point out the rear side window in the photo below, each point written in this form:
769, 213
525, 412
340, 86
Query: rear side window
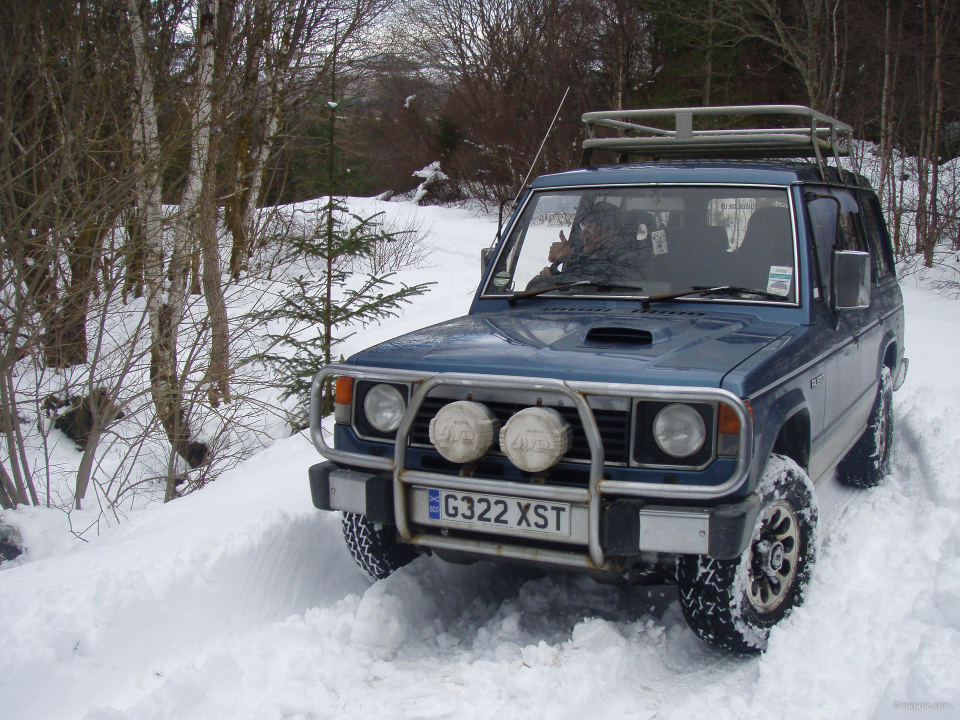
873, 219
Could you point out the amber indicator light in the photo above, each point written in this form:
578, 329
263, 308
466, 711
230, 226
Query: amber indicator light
729, 423
344, 392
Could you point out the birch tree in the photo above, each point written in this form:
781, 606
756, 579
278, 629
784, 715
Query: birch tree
167, 311
284, 53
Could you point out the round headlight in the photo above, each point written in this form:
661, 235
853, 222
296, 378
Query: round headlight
384, 407
679, 430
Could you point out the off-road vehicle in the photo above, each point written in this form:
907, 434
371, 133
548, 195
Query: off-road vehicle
664, 358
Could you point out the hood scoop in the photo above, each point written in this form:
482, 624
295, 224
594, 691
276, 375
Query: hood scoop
621, 334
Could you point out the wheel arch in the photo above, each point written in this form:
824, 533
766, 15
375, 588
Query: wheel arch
891, 355
787, 430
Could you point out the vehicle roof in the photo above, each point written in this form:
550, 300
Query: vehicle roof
760, 172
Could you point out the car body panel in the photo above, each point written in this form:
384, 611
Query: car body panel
695, 348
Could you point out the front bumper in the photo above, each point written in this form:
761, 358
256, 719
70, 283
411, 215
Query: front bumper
660, 525
629, 527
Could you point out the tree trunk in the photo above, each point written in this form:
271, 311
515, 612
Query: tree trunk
218, 371
9, 495
164, 305
22, 480
708, 60
885, 103
251, 158
85, 470
933, 226
66, 341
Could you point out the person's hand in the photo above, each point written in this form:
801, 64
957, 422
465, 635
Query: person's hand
559, 250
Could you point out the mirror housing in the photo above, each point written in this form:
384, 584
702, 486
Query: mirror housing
851, 280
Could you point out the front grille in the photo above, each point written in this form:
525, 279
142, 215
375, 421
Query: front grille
614, 428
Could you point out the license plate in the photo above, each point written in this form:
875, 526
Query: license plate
500, 512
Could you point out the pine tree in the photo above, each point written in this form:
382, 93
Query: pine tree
336, 295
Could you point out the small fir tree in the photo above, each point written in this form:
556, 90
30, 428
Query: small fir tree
335, 243
317, 307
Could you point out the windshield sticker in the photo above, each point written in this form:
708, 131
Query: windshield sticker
642, 232
501, 279
659, 238
778, 282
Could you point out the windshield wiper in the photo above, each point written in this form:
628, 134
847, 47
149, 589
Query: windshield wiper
601, 287
719, 290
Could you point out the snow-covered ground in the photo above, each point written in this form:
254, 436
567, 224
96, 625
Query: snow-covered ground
241, 601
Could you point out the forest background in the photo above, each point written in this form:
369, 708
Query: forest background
154, 153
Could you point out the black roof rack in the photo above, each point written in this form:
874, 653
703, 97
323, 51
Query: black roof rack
819, 135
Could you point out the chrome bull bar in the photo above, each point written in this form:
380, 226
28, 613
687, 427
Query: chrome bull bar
591, 496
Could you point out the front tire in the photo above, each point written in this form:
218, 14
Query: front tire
375, 547
868, 462
733, 604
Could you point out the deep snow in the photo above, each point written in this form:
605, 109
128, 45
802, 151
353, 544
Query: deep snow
241, 601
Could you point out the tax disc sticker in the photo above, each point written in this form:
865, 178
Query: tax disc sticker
778, 282
659, 239
642, 232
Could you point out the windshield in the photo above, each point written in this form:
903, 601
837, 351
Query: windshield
646, 241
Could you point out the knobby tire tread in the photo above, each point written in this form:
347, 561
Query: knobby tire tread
375, 550
862, 467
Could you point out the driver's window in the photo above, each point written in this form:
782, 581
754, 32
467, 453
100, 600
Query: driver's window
851, 227
823, 217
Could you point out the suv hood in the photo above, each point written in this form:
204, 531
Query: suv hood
602, 344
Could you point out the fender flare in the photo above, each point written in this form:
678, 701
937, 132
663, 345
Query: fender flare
784, 407
889, 338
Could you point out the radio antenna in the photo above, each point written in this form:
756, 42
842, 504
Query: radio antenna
549, 130
532, 166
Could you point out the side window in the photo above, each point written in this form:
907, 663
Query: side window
851, 226
823, 217
873, 219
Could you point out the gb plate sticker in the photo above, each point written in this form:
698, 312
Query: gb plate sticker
659, 239
778, 282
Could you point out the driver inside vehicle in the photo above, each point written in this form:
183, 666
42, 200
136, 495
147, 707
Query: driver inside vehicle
596, 250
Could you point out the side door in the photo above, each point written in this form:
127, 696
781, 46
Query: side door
869, 332
834, 226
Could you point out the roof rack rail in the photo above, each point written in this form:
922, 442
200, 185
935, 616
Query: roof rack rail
819, 135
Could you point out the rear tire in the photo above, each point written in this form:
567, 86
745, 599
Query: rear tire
375, 547
868, 462
733, 604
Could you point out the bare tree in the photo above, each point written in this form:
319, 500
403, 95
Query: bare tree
63, 178
508, 64
281, 56
810, 35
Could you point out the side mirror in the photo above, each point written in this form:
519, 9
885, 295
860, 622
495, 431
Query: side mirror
486, 255
851, 279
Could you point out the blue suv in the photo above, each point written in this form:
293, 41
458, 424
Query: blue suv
665, 358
